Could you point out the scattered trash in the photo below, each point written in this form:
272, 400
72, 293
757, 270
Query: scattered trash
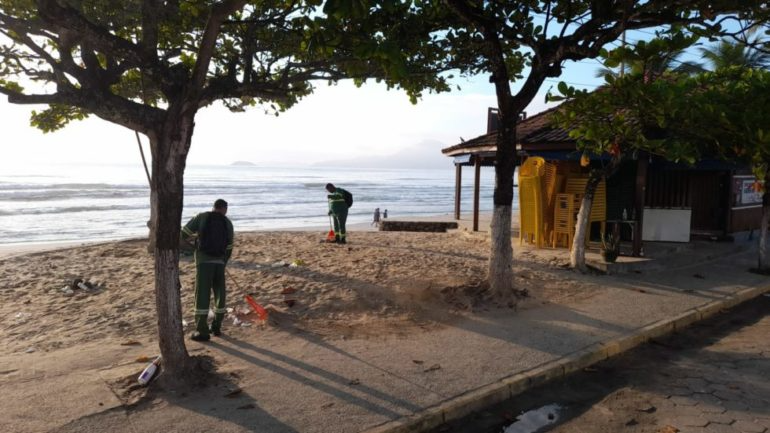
590, 369
30, 350
80, 284
297, 262
649, 409
668, 429
355, 382
534, 420
233, 393
130, 343
279, 264
433, 367
237, 321
22, 315
211, 315
142, 358
327, 405
417, 361
185, 323
149, 372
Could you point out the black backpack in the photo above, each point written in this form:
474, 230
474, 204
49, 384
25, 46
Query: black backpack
213, 236
348, 197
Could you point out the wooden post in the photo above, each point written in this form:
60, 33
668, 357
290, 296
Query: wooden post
641, 188
458, 188
476, 182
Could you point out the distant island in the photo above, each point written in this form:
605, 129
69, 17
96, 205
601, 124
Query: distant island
244, 163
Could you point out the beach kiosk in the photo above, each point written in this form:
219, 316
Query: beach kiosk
649, 199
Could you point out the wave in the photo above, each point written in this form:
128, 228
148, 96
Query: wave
74, 209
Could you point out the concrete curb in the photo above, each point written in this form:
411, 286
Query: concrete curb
515, 384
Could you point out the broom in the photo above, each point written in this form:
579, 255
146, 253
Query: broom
330, 237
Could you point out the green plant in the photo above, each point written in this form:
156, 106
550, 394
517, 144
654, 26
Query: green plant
610, 247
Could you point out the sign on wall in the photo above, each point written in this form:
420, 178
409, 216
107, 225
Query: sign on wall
746, 191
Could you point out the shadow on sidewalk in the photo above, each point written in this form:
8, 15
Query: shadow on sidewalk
302, 373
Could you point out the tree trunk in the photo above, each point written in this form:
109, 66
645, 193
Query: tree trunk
500, 273
577, 256
764, 254
152, 224
169, 158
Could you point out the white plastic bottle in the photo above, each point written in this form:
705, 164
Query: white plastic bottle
149, 372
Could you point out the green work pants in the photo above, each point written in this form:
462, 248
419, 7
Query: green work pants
209, 277
340, 216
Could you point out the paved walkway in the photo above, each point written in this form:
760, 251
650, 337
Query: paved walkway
711, 379
279, 381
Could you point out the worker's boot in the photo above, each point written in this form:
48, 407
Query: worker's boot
337, 239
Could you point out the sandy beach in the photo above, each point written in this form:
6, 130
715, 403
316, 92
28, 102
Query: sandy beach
391, 282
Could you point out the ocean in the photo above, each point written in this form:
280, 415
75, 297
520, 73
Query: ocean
66, 203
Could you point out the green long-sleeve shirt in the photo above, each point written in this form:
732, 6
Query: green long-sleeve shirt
337, 201
195, 225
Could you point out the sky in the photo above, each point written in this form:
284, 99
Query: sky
335, 124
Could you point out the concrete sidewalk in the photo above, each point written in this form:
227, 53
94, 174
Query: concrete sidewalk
285, 381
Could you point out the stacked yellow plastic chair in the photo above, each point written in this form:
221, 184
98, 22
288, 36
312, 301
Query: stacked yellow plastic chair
577, 186
564, 217
531, 203
553, 179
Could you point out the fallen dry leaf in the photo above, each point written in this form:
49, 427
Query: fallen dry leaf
433, 367
130, 343
668, 429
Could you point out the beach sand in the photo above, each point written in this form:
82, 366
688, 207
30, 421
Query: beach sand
394, 283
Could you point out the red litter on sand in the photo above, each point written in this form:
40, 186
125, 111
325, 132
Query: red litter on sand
261, 312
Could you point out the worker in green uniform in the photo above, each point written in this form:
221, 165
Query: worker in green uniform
213, 249
339, 202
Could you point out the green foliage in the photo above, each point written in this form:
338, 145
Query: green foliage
56, 117
680, 117
105, 57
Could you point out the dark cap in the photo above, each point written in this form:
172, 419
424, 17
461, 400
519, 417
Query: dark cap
220, 204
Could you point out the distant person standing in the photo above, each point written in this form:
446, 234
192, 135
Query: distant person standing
376, 217
212, 251
339, 202
385, 214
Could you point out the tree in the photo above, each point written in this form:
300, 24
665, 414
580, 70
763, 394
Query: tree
734, 125
729, 53
719, 114
529, 41
624, 117
652, 57
150, 65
